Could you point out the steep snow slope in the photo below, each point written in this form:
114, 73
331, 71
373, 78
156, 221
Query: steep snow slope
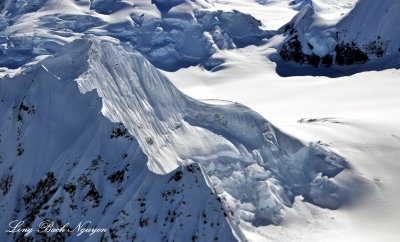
255, 170
246, 145
189, 156
61, 159
367, 32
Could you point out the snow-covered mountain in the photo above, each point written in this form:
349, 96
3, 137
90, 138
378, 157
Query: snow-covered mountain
91, 130
171, 34
97, 131
367, 32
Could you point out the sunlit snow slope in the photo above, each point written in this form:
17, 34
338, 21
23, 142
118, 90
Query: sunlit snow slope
90, 129
355, 114
63, 160
64, 152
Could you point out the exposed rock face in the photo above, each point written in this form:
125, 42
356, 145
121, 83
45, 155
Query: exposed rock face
292, 51
349, 54
353, 40
344, 53
97, 133
63, 161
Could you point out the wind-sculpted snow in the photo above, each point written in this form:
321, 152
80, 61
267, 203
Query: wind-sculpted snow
123, 153
229, 138
62, 160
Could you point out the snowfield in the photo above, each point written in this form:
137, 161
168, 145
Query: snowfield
149, 118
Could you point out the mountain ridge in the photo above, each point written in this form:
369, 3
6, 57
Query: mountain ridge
235, 148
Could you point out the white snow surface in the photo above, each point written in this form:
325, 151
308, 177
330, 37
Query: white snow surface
355, 116
90, 128
237, 148
171, 34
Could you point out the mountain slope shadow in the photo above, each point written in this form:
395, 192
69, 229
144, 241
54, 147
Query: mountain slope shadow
287, 69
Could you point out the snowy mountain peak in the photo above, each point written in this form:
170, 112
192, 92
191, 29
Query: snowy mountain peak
60, 156
92, 130
124, 122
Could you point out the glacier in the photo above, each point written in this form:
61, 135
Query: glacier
186, 33
98, 131
91, 129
